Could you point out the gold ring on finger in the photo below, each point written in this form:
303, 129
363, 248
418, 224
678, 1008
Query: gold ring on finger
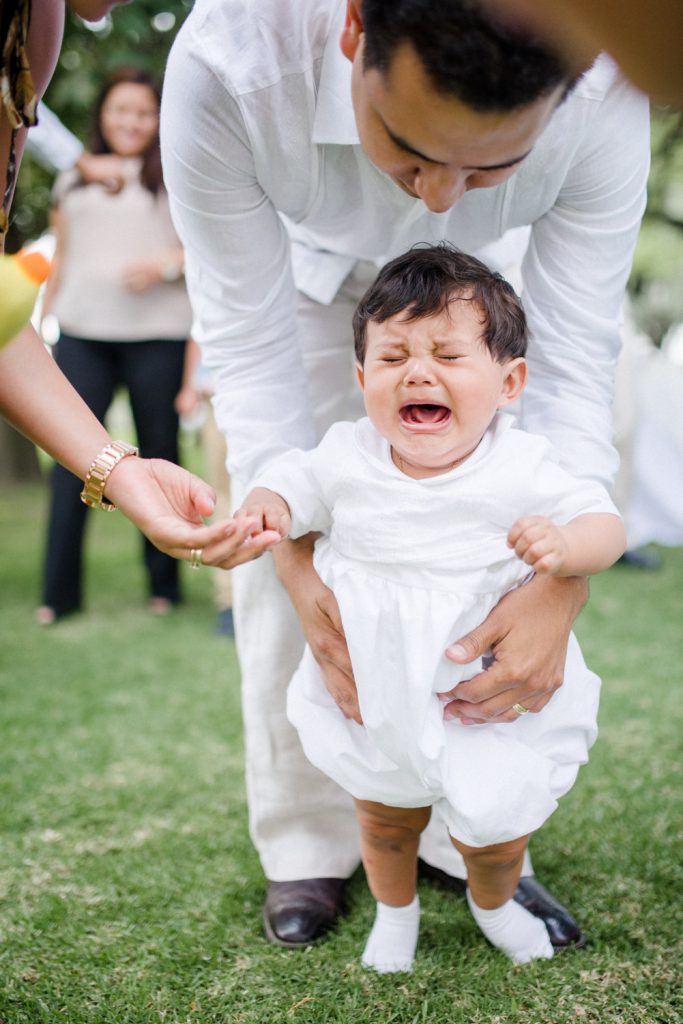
520, 709
196, 558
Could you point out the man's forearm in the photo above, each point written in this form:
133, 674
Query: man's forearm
292, 559
572, 592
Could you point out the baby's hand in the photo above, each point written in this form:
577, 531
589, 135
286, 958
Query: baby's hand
269, 511
539, 543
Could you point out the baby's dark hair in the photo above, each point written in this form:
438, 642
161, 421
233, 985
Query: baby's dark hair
426, 279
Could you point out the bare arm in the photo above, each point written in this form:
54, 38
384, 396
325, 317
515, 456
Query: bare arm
165, 501
189, 395
318, 612
39, 401
190, 363
584, 546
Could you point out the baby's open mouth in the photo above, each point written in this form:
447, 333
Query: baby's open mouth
418, 414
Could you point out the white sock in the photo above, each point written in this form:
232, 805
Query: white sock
393, 939
513, 929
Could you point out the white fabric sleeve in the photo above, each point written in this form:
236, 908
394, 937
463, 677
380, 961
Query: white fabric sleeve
238, 268
558, 494
575, 273
296, 477
51, 142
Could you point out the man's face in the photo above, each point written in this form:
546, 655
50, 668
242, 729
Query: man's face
435, 147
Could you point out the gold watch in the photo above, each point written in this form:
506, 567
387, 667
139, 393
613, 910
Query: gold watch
100, 471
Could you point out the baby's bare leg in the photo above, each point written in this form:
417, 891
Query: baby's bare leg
492, 876
389, 838
389, 841
493, 871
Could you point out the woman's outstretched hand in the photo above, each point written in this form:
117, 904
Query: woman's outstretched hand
169, 505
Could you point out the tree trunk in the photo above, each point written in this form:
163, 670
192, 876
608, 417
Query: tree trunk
18, 458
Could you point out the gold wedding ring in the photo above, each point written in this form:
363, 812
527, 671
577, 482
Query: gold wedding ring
520, 709
195, 558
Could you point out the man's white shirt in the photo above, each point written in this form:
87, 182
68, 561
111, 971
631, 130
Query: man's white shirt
51, 142
270, 191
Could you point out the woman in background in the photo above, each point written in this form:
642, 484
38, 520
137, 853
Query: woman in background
124, 316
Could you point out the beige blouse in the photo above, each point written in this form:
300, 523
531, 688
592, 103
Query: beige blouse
102, 234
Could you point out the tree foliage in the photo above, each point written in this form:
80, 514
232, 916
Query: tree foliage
138, 34
656, 284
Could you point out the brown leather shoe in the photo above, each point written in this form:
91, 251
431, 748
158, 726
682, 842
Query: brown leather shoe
530, 894
296, 914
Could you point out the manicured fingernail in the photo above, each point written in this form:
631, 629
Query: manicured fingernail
457, 650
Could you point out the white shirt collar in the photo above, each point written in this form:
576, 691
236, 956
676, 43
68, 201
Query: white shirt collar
334, 120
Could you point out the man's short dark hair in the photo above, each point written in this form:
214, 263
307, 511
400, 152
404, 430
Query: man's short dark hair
465, 51
426, 279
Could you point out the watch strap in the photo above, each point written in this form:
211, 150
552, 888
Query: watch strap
100, 471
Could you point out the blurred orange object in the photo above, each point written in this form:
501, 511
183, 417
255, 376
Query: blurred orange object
21, 276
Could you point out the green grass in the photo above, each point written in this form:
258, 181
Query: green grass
129, 891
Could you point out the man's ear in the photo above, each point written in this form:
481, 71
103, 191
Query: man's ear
360, 376
515, 379
353, 29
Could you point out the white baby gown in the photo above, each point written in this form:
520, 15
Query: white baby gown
414, 565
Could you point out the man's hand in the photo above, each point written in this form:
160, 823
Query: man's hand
539, 543
527, 633
318, 612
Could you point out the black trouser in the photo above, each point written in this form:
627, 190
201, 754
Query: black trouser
152, 373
